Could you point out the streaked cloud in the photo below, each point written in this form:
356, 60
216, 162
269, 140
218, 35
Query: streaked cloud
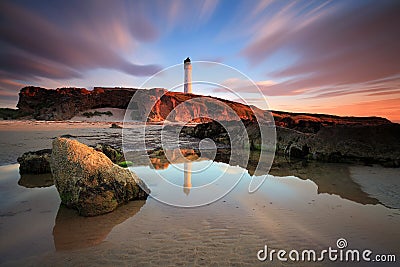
63, 39
207, 9
337, 44
244, 86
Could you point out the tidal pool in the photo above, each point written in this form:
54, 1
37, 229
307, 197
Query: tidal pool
286, 212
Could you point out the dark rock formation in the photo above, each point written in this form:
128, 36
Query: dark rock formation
64, 103
312, 123
228, 133
370, 144
11, 114
296, 152
36, 162
88, 181
115, 126
339, 143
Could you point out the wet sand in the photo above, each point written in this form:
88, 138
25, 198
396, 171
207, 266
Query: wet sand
17, 137
381, 183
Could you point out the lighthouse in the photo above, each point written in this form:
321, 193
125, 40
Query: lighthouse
188, 76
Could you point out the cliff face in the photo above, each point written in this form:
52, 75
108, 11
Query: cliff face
175, 106
64, 103
153, 105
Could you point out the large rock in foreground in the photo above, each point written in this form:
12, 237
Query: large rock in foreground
88, 181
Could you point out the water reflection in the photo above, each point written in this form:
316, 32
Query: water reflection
330, 178
161, 159
36, 180
187, 184
72, 231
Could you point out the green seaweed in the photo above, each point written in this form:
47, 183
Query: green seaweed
118, 156
125, 164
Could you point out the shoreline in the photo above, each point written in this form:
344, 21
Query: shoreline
32, 125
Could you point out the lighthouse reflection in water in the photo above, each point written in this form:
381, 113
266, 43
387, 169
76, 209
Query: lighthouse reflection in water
189, 181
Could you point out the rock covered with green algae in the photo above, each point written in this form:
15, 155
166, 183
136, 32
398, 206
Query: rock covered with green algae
87, 180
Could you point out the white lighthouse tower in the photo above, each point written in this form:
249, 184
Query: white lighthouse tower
188, 76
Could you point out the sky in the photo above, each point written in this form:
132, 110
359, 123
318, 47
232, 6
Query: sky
336, 57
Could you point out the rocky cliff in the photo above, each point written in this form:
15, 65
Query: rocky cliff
175, 106
64, 103
312, 123
158, 104
152, 105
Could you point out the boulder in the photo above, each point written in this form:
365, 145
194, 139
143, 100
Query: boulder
296, 152
115, 126
88, 181
36, 162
